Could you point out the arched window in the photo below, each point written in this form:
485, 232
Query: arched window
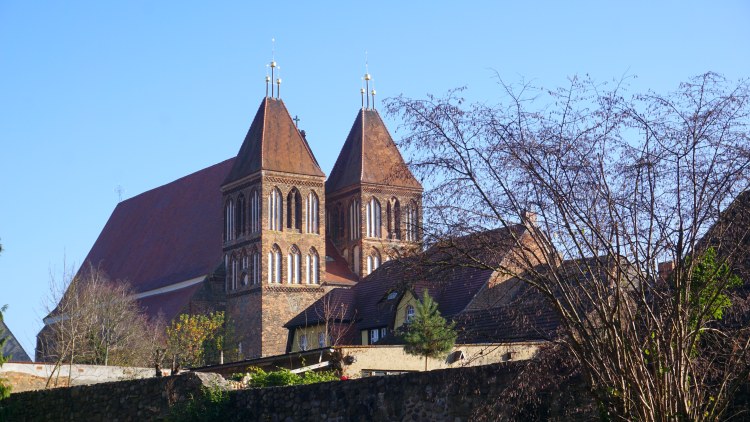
235, 274
274, 265
356, 258
341, 223
312, 275
409, 313
397, 220
388, 221
255, 269
412, 223
228, 220
372, 215
239, 216
245, 270
355, 221
312, 212
294, 210
254, 212
373, 261
293, 265
227, 274
274, 210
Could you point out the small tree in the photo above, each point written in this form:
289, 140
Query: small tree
428, 334
190, 336
4, 386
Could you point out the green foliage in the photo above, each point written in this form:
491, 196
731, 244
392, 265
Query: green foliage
709, 282
211, 405
257, 377
428, 334
4, 386
194, 338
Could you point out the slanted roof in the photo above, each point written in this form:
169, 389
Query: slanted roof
448, 274
369, 155
337, 270
273, 143
167, 235
507, 324
335, 306
12, 347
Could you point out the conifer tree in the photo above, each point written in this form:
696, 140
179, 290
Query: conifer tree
428, 334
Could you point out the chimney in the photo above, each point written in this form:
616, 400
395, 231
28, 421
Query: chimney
665, 270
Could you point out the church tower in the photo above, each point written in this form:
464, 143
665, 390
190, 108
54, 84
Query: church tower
274, 231
373, 201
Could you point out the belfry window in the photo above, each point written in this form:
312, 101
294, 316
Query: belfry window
274, 210
356, 258
274, 265
312, 213
412, 223
228, 220
239, 216
373, 261
255, 269
245, 270
354, 220
294, 210
313, 267
372, 216
293, 265
254, 212
397, 220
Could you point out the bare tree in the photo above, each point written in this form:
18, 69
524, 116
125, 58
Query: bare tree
606, 186
94, 320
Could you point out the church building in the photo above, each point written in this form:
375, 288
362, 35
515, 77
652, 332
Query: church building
264, 235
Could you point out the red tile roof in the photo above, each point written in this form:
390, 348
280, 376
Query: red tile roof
166, 235
337, 270
273, 143
369, 155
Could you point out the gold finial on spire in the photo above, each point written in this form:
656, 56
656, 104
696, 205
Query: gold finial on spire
373, 99
278, 87
362, 94
367, 79
273, 67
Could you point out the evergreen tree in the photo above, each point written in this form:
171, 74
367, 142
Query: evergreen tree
428, 334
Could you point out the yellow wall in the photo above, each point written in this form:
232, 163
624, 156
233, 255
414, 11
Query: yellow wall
312, 337
407, 299
394, 359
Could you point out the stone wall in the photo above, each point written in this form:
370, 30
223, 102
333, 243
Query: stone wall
137, 400
33, 376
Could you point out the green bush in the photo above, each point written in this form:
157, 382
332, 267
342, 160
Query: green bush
211, 405
257, 377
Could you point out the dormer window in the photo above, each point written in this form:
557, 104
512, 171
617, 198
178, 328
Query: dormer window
392, 295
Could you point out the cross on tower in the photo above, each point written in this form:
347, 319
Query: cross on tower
296, 120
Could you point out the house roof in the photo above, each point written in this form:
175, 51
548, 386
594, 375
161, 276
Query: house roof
447, 274
167, 235
273, 142
337, 270
12, 346
334, 306
369, 155
507, 324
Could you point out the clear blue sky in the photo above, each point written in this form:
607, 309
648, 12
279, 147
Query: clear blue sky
95, 95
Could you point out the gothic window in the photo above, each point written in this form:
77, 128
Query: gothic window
372, 216
234, 274
341, 224
245, 270
312, 212
274, 210
373, 261
239, 216
409, 313
254, 212
293, 265
312, 276
274, 265
397, 220
388, 220
356, 258
228, 220
294, 210
354, 220
227, 273
255, 269
412, 225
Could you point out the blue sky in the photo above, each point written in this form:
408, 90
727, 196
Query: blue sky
96, 95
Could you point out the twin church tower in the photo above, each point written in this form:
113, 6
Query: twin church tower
290, 234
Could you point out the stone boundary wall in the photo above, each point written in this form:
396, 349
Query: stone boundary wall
452, 394
136, 400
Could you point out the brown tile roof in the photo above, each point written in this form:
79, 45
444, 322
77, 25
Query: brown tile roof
507, 324
273, 143
166, 235
369, 155
170, 304
337, 270
335, 306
